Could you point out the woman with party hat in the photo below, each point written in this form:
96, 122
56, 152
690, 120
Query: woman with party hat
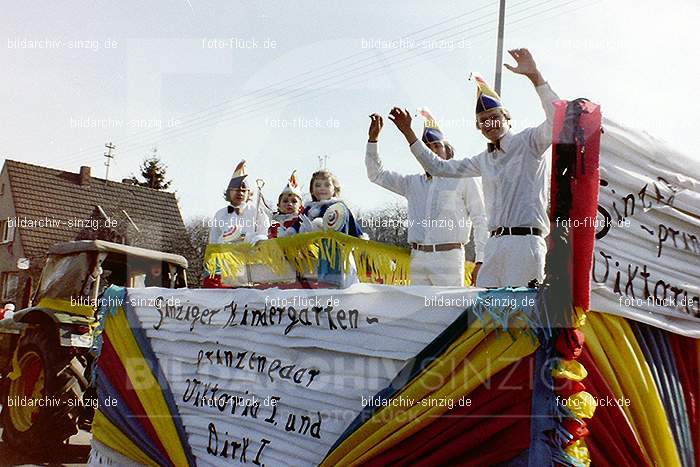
514, 172
240, 220
441, 211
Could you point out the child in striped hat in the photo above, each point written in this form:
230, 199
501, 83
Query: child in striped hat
240, 220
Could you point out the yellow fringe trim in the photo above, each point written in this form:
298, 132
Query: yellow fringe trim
389, 263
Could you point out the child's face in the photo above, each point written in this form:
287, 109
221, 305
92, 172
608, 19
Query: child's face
323, 189
289, 204
238, 196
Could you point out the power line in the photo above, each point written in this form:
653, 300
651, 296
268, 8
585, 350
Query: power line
181, 131
275, 100
593, 2
256, 107
323, 67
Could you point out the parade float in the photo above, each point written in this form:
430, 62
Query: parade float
597, 365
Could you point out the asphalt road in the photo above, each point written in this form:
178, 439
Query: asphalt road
74, 454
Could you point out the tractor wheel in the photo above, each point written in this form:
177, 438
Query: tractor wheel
42, 404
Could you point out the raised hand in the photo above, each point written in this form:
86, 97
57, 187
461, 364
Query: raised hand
401, 118
525, 65
375, 127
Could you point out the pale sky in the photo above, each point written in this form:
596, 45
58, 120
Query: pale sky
226, 80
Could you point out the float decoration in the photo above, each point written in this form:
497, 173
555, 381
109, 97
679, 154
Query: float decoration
639, 367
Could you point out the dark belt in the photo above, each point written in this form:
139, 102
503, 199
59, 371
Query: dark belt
516, 231
438, 247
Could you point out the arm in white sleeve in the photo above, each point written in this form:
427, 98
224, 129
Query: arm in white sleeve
541, 136
392, 181
437, 167
477, 213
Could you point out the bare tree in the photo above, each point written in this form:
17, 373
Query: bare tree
198, 231
388, 224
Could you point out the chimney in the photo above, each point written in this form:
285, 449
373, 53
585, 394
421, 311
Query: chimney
84, 175
127, 181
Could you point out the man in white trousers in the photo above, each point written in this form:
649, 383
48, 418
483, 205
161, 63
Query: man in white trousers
441, 211
515, 176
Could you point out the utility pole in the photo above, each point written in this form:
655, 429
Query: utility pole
109, 157
499, 47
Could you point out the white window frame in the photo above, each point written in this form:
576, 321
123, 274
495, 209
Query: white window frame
7, 231
4, 281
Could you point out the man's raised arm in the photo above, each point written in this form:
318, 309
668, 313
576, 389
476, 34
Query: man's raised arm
540, 136
427, 158
392, 181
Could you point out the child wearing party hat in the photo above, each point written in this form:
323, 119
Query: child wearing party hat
514, 171
240, 220
285, 221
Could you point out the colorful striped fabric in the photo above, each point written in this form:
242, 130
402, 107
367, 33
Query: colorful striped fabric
143, 424
651, 425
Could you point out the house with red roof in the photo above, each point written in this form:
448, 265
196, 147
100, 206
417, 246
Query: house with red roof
41, 206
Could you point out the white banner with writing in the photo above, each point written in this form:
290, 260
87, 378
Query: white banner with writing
255, 372
647, 252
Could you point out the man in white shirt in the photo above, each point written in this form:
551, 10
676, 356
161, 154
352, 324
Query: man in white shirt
239, 221
440, 211
515, 175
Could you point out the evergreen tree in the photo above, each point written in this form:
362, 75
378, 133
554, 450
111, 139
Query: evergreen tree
153, 173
